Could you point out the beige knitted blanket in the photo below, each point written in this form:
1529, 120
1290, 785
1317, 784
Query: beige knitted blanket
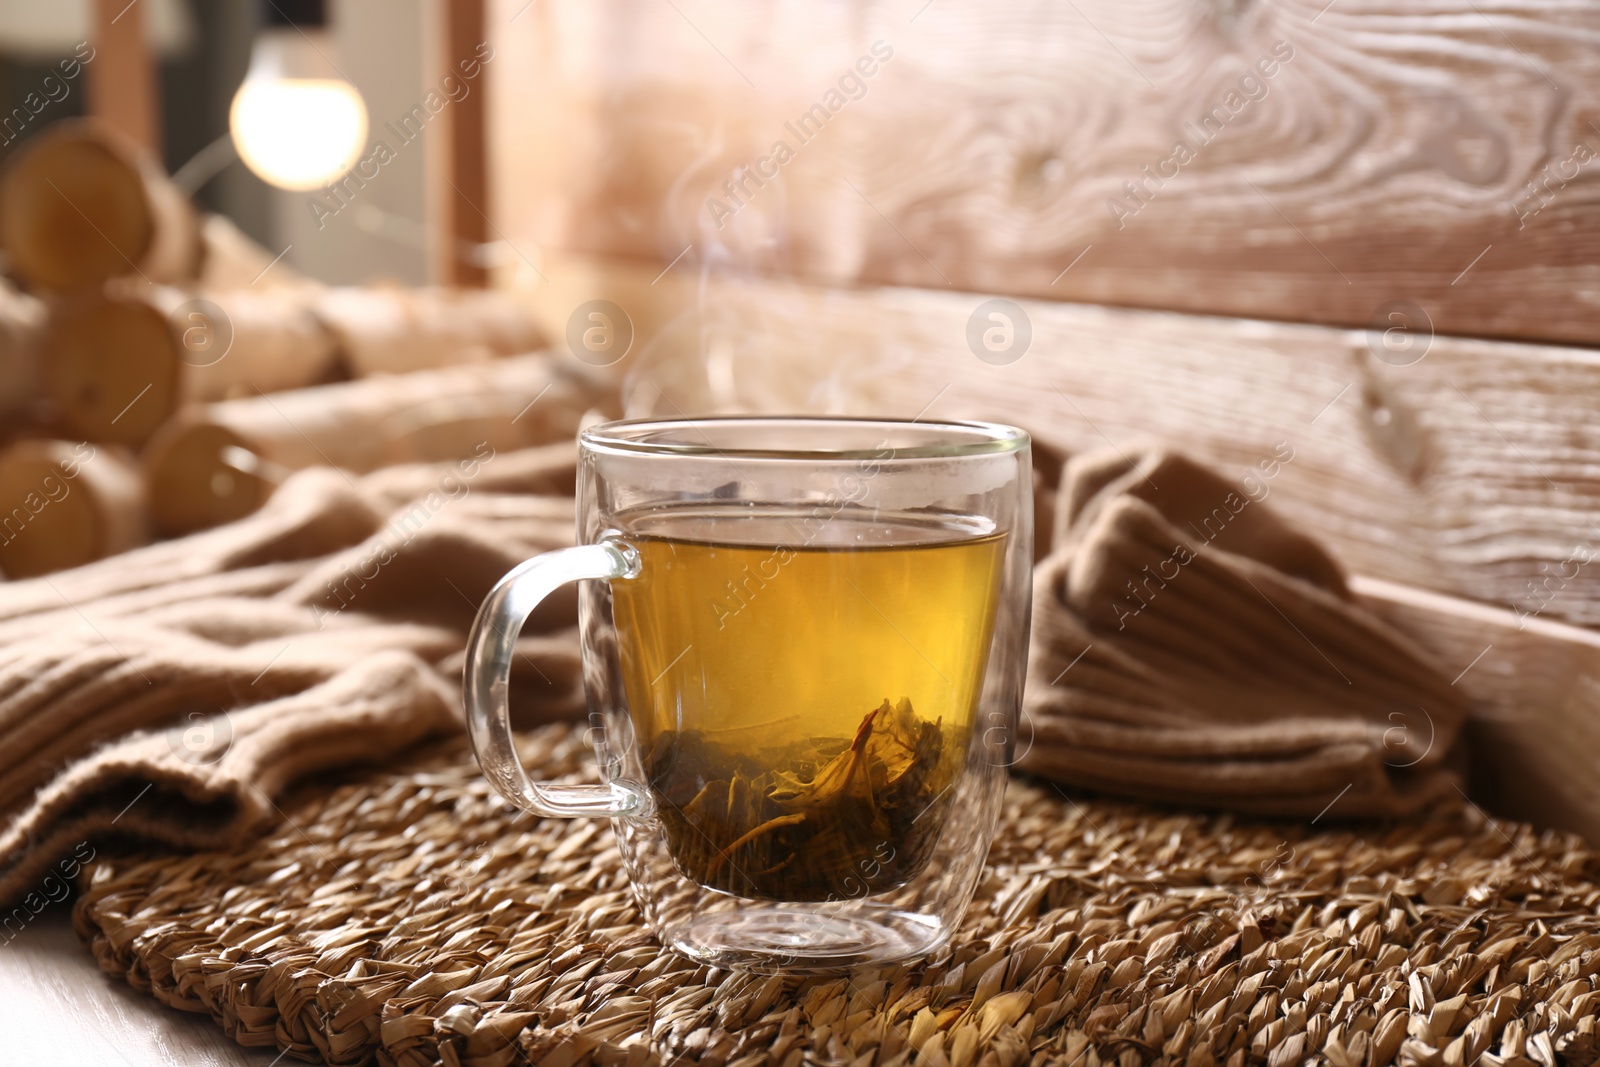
1190, 646
168, 695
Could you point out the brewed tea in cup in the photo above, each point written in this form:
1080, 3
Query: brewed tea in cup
804, 644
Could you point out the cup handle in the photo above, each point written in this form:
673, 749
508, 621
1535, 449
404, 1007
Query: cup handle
487, 684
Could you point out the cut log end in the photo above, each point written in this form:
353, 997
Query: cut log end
111, 368
73, 210
64, 506
203, 475
80, 204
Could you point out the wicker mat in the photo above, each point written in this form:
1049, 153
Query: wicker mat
406, 916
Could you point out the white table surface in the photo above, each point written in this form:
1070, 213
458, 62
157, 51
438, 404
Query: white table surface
59, 1008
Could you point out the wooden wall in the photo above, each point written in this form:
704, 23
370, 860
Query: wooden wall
1399, 150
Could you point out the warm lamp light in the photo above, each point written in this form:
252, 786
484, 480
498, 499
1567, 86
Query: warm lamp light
295, 122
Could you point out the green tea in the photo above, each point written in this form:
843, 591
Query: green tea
804, 707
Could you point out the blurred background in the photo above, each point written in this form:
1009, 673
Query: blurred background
198, 55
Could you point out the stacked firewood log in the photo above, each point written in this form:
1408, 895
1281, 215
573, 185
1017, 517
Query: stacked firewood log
161, 373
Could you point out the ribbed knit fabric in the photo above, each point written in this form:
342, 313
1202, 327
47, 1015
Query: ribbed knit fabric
170, 693
1189, 646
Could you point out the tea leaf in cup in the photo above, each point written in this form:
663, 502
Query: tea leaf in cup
814, 820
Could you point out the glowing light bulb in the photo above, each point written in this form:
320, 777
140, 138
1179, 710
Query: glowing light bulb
298, 133
295, 123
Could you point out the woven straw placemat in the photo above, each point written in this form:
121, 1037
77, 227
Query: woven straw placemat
407, 916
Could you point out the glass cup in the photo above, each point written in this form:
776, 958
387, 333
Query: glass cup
804, 643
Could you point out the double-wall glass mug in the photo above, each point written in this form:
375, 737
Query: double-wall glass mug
804, 643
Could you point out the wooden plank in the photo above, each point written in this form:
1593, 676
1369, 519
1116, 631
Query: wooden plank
1536, 686
122, 78
1399, 151
1474, 471
466, 168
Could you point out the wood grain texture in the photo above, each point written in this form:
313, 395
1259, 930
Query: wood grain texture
1535, 684
1474, 471
1400, 150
